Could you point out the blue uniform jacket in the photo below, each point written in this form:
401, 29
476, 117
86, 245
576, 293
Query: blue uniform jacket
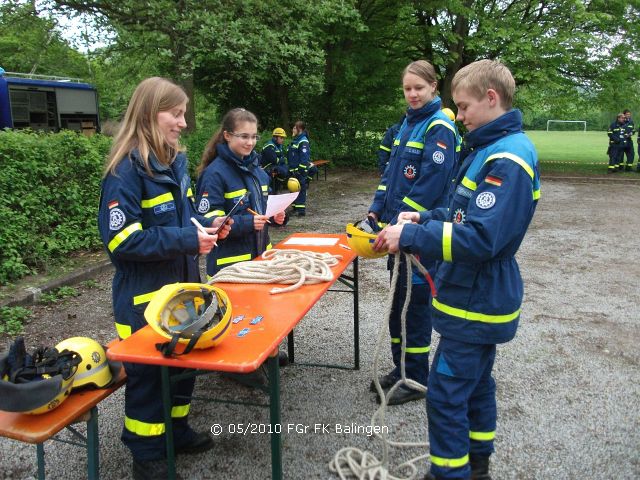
144, 222
220, 185
479, 288
272, 155
421, 165
617, 136
299, 155
384, 151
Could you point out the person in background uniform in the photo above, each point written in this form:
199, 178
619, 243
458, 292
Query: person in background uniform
418, 177
617, 143
478, 281
230, 169
144, 222
273, 159
384, 151
300, 166
629, 130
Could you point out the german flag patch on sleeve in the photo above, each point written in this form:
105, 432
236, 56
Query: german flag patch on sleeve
493, 180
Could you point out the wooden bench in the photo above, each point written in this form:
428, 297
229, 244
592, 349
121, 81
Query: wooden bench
81, 406
323, 164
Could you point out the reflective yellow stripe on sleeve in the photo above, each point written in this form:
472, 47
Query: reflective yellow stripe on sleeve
237, 258
386, 149
123, 235
415, 205
214, 213
237, 193
152, 202
189, 193
447, 234
382, 188
482, 436
474, 316
450, 462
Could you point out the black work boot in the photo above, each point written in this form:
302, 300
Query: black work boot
201, 442
479, 467
386, 382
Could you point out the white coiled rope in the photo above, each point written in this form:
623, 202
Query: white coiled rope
353, 463
295, 267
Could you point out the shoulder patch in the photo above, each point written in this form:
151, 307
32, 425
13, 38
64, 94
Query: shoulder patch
486, 200
116, 219
438, 157
203, 206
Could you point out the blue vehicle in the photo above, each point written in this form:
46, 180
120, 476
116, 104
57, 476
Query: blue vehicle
47, 103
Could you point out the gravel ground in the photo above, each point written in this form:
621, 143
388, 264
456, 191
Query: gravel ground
568, 385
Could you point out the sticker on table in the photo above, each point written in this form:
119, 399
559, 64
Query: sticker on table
237, 319
243, 332
256, 320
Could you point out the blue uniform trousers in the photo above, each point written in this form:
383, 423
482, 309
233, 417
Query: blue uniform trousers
418, 327
461, 406
629, 153
616, 155
143, 409
300, 203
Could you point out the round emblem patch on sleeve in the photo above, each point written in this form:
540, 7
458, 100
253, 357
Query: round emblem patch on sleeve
203, 207
116, 219
438, 157
486, 200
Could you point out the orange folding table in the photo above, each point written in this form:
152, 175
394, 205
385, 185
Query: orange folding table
80, 406
248, 345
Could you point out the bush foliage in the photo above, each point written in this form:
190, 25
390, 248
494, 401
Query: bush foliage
51, 189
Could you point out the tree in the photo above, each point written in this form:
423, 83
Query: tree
29, 43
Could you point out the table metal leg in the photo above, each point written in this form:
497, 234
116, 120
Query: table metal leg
290, 347
93, 446
168, 424
40, 455
274, 417
356, 317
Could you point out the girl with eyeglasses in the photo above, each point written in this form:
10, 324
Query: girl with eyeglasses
230, 168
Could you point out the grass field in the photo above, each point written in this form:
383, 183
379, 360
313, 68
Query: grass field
572, 152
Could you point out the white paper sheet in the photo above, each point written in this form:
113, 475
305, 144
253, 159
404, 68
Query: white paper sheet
279, 203
313, 241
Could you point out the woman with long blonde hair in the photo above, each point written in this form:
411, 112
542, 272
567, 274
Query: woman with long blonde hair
145, 224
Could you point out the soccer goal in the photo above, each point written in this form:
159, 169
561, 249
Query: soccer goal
583, 122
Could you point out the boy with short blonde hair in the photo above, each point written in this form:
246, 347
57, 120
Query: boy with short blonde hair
478, 283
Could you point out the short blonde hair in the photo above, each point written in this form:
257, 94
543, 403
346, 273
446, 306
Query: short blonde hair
140, 130
478, 77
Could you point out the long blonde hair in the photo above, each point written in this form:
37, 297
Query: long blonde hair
230, 121
139, 128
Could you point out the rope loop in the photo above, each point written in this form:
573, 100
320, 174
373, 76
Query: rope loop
289, 267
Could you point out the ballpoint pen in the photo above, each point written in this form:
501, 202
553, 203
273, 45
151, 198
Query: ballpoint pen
253, 212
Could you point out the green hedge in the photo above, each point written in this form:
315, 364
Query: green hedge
50, 185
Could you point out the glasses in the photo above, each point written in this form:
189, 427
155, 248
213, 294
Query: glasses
245, 137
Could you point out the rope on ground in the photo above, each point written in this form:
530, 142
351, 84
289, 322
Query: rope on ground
296, 267
351, 462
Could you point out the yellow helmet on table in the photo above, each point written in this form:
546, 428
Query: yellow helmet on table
361, 242
279, 132
94, 370
293, 184
195, 314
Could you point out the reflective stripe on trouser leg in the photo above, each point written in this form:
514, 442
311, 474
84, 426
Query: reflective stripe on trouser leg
457, 371
482, 413
143, 411
300, 202
418, 329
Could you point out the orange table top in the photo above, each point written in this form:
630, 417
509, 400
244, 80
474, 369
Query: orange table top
281, 313
38, 428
